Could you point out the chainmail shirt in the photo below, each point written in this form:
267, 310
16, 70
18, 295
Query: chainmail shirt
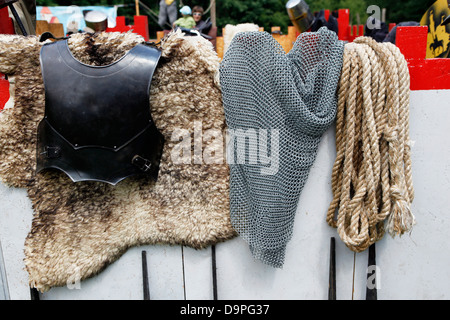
277, 107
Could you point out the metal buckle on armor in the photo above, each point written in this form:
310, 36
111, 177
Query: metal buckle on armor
141, 163
52, 152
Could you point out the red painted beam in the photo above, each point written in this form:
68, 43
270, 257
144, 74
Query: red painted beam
4, 91
426, 74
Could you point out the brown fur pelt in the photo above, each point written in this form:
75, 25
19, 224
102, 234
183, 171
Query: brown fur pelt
80, 228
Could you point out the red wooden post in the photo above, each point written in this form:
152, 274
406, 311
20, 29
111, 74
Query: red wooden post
346, 32
343, 23
6, 27
391, 26
327, 14
4, 91
6, 23
140, 26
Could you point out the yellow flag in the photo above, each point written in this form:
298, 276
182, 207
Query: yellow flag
438, 43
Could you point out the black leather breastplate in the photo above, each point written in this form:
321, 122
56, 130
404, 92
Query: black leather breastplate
97, 123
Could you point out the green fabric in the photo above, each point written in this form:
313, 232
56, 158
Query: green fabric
185, 22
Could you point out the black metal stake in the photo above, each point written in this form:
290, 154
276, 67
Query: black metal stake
332, 274
34, 294
214, 271
371, 291
19, 22
145, 276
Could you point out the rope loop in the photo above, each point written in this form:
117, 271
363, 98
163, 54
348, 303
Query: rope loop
371, 177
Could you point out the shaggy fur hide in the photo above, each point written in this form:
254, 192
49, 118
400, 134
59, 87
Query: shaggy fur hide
232, 30
80, 228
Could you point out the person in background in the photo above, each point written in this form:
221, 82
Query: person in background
200, 24
167, 11
186, 21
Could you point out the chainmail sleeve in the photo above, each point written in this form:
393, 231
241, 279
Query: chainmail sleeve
277, 107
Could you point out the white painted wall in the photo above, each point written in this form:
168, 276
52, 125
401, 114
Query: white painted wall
414, 266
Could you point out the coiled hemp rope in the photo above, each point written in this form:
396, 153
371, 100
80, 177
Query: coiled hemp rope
371, 177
